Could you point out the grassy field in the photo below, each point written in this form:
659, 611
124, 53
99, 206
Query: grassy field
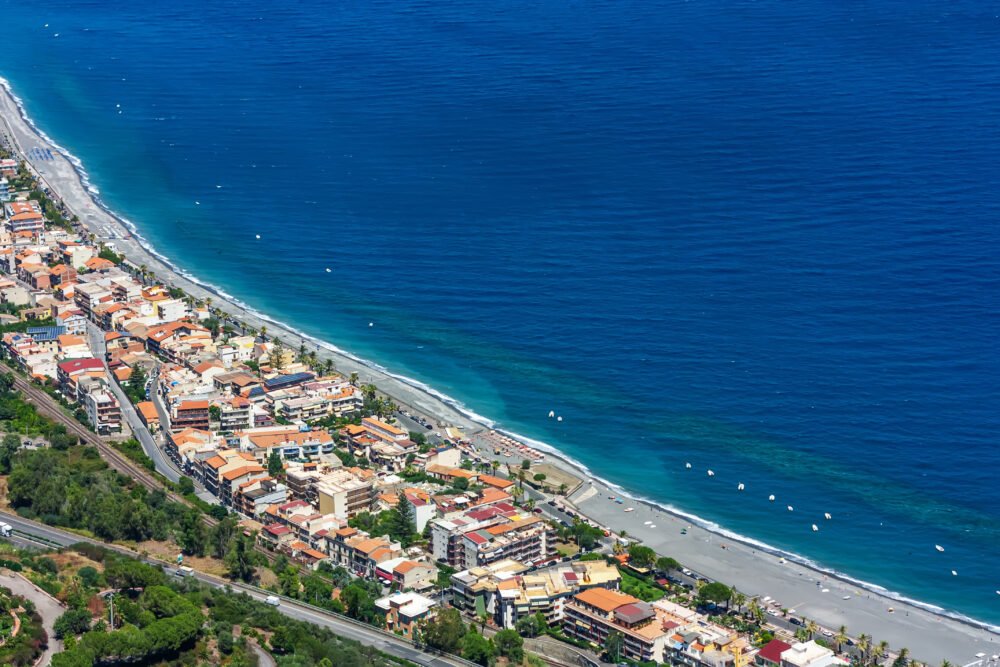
636, 587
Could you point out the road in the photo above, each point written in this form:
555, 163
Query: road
26, 530
48, 608
164, 465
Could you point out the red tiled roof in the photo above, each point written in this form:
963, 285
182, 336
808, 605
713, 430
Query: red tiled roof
772, 650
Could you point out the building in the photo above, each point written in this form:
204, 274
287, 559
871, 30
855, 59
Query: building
70, 371
343, 494
404, 611
103, 411
529, 539
810, 654
506, 591
769, 654
596, 613
25, 217
190, 414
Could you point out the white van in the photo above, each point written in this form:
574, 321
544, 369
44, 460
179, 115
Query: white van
272, 600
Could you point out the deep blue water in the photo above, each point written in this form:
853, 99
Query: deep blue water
758, 236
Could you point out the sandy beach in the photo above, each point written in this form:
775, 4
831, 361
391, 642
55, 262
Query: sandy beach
930, 637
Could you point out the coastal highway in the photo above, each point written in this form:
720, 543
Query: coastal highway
37, 534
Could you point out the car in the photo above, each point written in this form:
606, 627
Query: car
827, 633
272, 600
794, 621
772, 612
686, 572
537, 510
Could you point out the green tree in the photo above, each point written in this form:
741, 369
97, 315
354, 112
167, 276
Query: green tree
716, 592
185, 486
477, 649
72, 622
667, 564
405, 526
510, 645
8, 448
445, 632
526, 464
240, 558
192, 535
641, 556
135, 387
221, 535
613, 646
275, 466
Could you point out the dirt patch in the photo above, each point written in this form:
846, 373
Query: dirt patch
167, 551
267, 577
554, 476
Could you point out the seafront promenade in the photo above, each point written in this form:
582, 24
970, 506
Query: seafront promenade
930, 637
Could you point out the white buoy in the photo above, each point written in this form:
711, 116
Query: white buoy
791, 509
815, 528
118, 106
552, 414
740, 487
939, 547
771, 497
954, 574
827, 516
258, 236
559, 418
711, 473
371, 324
687, 465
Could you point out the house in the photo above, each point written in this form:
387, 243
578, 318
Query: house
769, 654
190, 414
103, 411
405, 611
68, 372
810, 654
150, 417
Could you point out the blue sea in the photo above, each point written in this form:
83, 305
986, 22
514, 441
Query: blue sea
761, 237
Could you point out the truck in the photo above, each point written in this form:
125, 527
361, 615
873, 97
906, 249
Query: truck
272, 600
5, 529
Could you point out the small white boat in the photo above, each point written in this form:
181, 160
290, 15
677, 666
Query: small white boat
954, 574
740, 487
846, 597
939, 547
197, 203
629, 509
711, 473
258, 236
825, 590
371, 324
559, 418
827, 516
791, 509
815, 528
647, 523
771, 497
552, 413
652, 525
328, 270
687, 465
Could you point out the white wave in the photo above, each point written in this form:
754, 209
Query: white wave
470, 414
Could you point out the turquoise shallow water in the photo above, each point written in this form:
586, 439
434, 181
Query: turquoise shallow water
760, 238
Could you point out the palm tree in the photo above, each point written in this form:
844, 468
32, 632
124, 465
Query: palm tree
756, 611
881, 649
812, 628
738, 599
841, 638
864, 646
946, 663
354, 379
562, 489
903, 659
263, 332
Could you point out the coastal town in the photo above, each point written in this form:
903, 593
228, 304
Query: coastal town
331, 476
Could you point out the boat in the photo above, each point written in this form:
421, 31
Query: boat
711, 473
954, 574
827, 516
791, 509
771, 497
740, 487
939, 547
629, 509
552, 413
687, 465
815, 528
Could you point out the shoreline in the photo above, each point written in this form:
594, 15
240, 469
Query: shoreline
742, 565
